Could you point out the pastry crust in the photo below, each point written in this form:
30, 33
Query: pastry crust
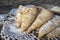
49, 26
54, 33
56, 9
28, 16
18, 17
42, 18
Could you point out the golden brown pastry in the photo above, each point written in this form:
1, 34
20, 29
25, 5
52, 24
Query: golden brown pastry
18, 17
54, 33
49, 26
42, 17
56, 9
28, 16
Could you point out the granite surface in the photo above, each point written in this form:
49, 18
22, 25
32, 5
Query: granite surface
16, 2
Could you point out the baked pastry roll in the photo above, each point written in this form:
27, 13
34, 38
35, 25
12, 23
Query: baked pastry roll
18, 17
49, 26
54, 33
28, 16
42, 18
56, 9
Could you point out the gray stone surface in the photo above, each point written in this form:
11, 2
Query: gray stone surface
16, 2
